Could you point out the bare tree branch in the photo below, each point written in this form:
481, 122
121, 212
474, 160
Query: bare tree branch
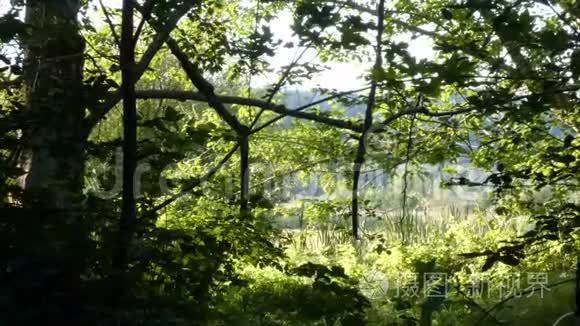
299, 114
278, 86
205, 87
110, 23
145, 13
281, 109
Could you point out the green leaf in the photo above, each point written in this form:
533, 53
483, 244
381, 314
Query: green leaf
447, 14
171, 114
575, 63
489, 262
555, 41
509, 260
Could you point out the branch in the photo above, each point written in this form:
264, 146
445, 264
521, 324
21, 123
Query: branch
110, 23
406, 172
368, 10
419, 30
561, 17
420, 110
128, 206
281, 109
197, 79
278, 86
163, 32
196, 182
207, 91
297, 112
205, 87
145, 13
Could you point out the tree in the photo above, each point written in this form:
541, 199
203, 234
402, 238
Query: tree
129, 206
52, 151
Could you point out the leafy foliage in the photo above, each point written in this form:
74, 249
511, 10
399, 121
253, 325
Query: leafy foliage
492, 85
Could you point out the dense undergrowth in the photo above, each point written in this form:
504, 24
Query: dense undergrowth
386, 281
230, 272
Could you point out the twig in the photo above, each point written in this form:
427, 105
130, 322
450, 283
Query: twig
294, 112
110, 23
406, 173
281, 81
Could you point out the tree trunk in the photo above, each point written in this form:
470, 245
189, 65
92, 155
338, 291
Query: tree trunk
358, 162
244, 175
368, 122
53, 144
52, 157
129, 211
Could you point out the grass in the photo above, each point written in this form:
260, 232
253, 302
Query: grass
433, 243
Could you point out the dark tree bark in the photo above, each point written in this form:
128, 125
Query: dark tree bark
368, 123
244, 174
52, 158
128, 213
52, 155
